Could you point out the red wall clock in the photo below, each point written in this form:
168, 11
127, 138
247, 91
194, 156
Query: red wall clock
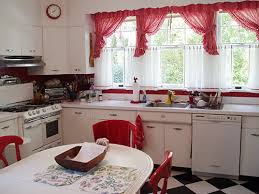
53, 11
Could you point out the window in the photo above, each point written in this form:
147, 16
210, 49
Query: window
240, 40
125, 36
171, 55
171, 40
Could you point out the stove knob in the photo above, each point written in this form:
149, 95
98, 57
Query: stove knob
38, 111
33, 112
30, 113
56, 106
44, 109
53, 108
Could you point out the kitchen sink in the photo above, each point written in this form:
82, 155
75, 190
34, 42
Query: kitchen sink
162, 104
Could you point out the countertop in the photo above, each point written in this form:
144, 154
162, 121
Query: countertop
230, 109
4, 116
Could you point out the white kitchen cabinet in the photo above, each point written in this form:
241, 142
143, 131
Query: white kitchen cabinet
9, 127
178, 139
216, 147
32, 41
11, 40
79, 51
154, 141
54, 52
25, 12
168, 131
76, 124
249, 147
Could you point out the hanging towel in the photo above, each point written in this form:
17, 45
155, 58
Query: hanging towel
139, 137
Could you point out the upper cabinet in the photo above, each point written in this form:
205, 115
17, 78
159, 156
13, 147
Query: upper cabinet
21, 31
79, 50
21, 12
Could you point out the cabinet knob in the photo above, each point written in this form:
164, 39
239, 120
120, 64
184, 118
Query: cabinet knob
6, 127
113, 115
163, 116
215, 166
178, 129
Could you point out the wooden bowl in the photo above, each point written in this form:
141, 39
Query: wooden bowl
64, 160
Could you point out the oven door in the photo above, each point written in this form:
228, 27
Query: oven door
51, 129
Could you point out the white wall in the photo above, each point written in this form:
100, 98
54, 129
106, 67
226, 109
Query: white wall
78, 8
92, 6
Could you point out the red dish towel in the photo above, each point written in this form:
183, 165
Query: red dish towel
139, 138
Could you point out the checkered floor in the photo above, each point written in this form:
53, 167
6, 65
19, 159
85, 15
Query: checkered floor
186, 183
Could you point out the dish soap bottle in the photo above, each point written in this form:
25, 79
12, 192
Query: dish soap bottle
135, 87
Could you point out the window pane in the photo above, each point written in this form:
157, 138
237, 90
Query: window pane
177, 36
240, 65
161, 38
118, 66
232, 32
192, 37
172, 66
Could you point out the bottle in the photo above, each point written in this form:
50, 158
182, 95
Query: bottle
144, 99
135, 86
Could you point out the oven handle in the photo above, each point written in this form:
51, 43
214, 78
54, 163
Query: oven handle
51, 119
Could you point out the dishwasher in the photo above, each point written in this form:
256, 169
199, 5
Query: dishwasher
216, 144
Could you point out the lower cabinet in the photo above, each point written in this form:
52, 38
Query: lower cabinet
168, 131
154, 141
178, 138
76, 125
9, 127
249, 147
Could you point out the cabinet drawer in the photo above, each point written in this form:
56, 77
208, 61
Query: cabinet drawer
250, 122
166, 117
8, 128
114, 115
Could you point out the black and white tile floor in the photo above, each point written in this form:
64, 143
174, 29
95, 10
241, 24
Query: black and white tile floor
186, 183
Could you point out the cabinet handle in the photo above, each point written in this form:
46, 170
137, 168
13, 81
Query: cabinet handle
55, 70
113, 115
178, 129
255, 135
6, 127
9, 50
150, 127
75, 69
78, 113
162, 116
28, 127
215, 166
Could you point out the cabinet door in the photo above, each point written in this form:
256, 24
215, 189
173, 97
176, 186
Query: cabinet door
32, 41
178, 140
9, 127
76, 124
54, 52
249, 153
10, 40
79, 51
154, 141
216, 148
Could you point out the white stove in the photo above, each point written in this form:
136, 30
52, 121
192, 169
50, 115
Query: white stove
39, 123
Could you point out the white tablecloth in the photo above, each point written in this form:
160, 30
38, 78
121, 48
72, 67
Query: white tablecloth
18, 178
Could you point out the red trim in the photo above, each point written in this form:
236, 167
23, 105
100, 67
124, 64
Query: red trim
51, 17
181, 92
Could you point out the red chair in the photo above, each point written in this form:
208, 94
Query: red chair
5, 141
116, 131
163, 171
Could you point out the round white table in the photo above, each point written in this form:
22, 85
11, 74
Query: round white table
18, 178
